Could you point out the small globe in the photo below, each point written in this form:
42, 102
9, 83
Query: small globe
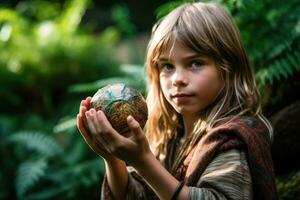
118, 101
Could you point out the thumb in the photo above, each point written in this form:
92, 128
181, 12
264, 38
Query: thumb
135, 127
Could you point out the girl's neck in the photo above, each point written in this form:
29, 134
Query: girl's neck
188, 123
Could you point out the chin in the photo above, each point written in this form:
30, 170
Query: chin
184, 111
187, 110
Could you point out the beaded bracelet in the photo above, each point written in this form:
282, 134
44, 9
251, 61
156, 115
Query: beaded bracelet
177, 190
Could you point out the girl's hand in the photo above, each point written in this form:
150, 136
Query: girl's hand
86, 134
133, 148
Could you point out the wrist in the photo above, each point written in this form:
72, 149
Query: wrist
160, 180
114, 162
144, 164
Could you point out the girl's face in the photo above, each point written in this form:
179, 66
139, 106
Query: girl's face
189, 81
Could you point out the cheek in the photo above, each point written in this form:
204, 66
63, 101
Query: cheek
204, 83
165, 88
209, 85
163, 85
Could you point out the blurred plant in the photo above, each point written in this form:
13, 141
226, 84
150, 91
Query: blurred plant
44, 51
41, 165
35, 53
288, 186
133, 75
120, 14
275, 49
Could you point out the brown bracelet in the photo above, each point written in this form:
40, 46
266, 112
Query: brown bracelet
177, 190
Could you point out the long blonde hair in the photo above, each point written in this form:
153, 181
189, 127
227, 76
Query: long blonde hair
207, 29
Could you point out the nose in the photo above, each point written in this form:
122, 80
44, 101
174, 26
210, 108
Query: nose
179, 78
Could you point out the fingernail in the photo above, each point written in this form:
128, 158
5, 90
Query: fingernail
130, 118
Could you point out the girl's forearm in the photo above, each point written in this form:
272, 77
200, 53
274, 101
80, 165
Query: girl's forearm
117, 178
159, 179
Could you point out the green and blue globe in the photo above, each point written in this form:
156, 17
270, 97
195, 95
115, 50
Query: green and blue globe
118, 101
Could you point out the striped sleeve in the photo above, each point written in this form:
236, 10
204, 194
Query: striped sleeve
136, 189
226, 177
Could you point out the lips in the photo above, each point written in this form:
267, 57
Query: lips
181, 95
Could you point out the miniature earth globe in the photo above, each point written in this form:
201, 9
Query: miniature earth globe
118, 101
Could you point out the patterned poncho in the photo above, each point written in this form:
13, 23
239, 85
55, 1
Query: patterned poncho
232, 161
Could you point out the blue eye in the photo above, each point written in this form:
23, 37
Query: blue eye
166, 67
196, 64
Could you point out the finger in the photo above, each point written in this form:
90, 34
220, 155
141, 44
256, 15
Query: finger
88, 102
82, 111
135, 127
99, 128
108, 132
107, 126
94, 119
81, 104
83, 130
90, 122
98, 132
89, 139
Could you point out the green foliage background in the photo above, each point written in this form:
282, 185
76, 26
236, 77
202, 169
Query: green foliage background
49, 61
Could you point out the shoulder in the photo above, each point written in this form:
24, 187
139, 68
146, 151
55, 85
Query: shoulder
239, 132
240, 121
234, 160
245, 126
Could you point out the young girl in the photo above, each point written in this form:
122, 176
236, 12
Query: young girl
205, 137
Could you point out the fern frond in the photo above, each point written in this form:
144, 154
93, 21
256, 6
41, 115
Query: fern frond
65, 125
28, 174
282, 68
78, 174
43, 144
52, 192
279, 48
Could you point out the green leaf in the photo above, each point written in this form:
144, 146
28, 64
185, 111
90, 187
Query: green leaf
72, 16
9, 15
28, 174
52, 192
33, 140
65, 125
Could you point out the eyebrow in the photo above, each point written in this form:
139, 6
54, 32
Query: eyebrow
163, 58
